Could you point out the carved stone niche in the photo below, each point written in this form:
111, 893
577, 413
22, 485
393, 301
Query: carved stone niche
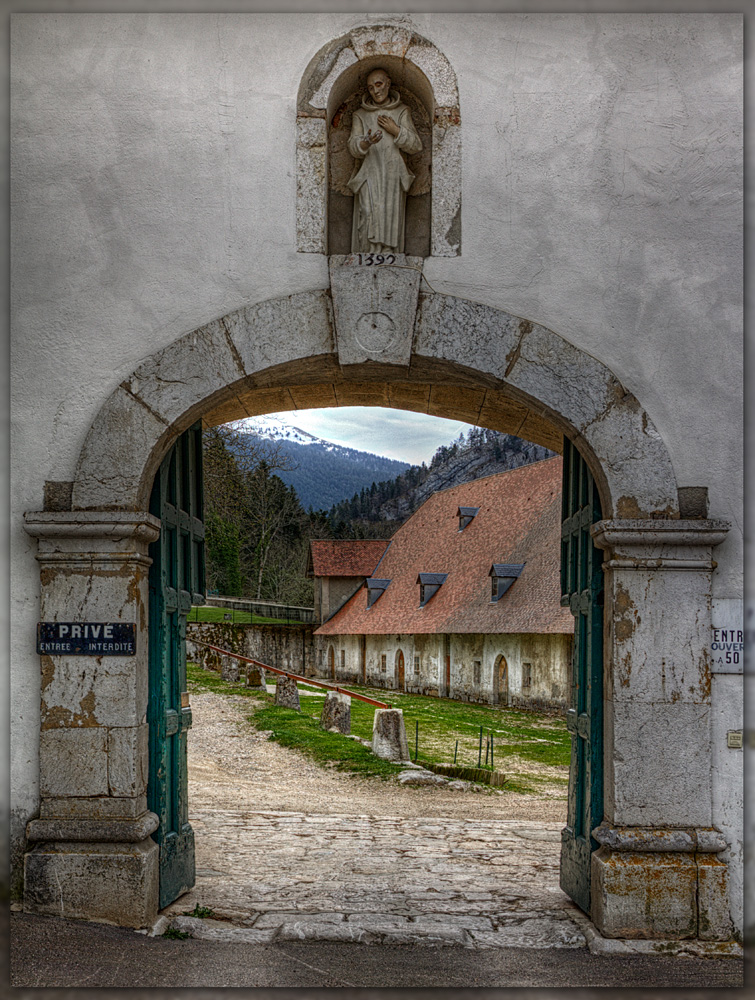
330, 90
345, 98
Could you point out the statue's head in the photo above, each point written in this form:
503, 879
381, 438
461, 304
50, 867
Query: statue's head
379, 85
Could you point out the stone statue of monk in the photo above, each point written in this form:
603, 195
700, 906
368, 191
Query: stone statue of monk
380, 130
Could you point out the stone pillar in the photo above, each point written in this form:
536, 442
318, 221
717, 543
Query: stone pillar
229, 669
657, 873
287, 692
389, 734
91, 855
255, 677
336, 712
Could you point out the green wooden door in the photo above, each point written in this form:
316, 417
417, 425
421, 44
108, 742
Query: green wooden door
176, 581
582, 593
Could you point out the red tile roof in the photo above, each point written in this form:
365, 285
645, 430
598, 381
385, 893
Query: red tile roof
519, 521
345, 557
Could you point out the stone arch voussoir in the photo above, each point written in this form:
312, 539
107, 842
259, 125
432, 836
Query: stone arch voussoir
468, 361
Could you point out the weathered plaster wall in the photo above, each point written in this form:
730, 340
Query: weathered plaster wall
601, 172
550, 659
549, 656
154, 189
728, 777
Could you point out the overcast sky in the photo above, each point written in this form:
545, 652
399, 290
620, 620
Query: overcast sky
400, 434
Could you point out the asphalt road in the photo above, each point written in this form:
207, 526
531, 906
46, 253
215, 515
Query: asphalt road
48, 952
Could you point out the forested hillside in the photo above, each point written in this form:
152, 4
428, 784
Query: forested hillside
379, 510
258, 530
323, 473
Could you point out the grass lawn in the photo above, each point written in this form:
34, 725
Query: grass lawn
532, 749
212, 614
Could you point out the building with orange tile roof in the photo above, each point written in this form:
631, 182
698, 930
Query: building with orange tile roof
339, 568
464, 601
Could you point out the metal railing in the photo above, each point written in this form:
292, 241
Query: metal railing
287, 673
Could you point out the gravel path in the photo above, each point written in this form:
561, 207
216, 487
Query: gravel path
287, 850
231, 764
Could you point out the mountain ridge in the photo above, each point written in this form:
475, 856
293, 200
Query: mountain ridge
323, 473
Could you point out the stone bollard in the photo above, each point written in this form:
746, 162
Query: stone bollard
255, 677
389, 734
336, 712
287, 693
229, 669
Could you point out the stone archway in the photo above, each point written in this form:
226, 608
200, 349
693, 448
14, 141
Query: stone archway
316, 349
298, 352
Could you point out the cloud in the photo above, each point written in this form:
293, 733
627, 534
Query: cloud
399, 434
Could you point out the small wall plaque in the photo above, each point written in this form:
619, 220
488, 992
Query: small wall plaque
734, 739
86, 638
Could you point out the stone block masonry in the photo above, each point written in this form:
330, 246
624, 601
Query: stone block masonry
287, 647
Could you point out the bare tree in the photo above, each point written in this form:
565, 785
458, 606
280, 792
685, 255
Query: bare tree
231, 454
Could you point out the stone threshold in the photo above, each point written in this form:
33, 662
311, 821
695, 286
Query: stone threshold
390, 929
693, 947
430, 930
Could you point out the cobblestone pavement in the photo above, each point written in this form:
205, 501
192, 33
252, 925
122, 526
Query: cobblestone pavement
289, 876
391, 876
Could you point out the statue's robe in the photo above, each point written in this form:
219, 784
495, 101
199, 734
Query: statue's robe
381, 181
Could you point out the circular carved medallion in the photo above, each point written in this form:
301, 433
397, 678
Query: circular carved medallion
374, 332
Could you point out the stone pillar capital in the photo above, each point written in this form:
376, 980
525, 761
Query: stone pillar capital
92, 537
107, 526
628, 533
659, 544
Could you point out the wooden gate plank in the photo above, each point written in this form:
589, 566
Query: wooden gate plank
582, 593
176, 582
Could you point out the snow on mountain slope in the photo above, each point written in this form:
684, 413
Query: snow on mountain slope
273, 426
323, 473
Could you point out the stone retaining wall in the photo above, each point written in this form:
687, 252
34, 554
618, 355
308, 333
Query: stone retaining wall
287, 647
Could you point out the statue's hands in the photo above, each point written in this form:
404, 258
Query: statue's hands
370, 139
386, 122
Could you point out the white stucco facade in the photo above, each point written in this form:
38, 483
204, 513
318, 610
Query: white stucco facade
474, 666
154, 190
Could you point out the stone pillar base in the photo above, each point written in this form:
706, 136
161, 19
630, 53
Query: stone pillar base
112, 883
287, 692
660, 884
255, 677
336, 712
389, 734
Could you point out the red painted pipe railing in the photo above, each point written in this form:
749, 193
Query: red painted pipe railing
286, 673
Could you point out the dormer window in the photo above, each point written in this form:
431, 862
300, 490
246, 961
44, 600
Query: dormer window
466, 515
503, 576
429, 584
375, 589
